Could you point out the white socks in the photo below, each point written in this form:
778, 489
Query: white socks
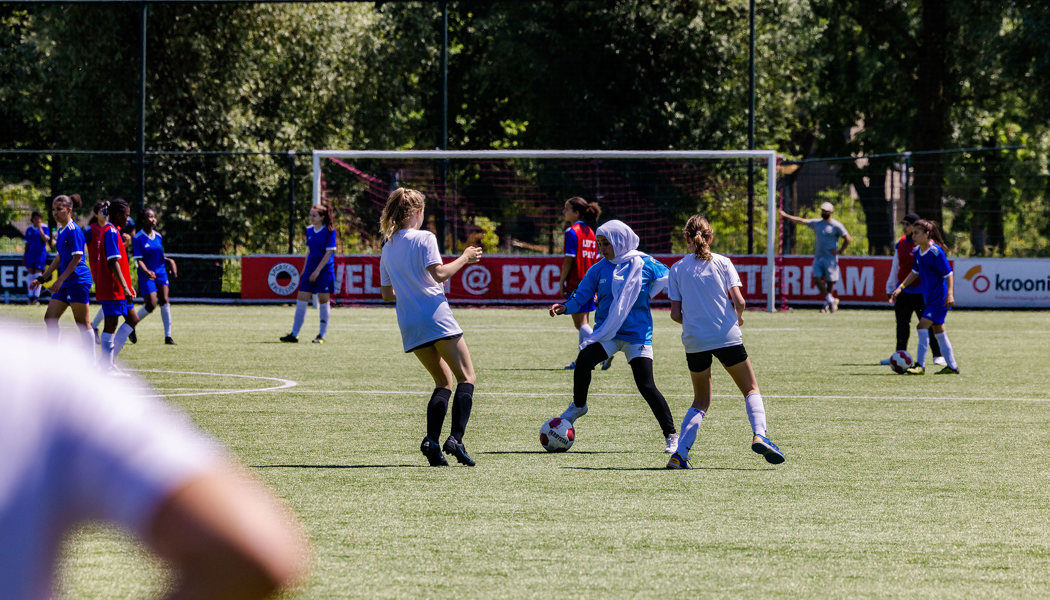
756, 413
924, 344
300, 316
120, 338
946, 349
107, 348
326, 311
689, 429
585, 330
165, 317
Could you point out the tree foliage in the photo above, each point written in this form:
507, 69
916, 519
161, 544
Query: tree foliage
834, 78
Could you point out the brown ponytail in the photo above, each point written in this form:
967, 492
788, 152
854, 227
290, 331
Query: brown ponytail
699, 232
589, 211
400, 206
326, 214
932, 230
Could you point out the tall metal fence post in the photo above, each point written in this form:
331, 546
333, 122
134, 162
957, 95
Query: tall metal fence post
291, 201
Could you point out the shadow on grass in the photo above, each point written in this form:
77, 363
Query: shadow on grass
666, 469
545, 453
338, 466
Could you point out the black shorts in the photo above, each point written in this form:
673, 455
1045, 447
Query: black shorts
432, 342
728, 356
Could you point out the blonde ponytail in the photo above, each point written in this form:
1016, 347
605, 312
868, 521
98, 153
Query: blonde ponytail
699, 232
400, 207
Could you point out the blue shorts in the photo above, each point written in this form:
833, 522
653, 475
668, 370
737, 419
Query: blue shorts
149, 286
116, 308
325, 283
826, 268
76, 293
937, 314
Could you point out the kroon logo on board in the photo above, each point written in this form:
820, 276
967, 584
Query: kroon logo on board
980, 283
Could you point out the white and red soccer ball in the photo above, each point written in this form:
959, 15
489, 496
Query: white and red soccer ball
900, 361
557, 435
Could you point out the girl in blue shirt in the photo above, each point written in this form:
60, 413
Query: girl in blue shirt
147, 250
37, 238
624, 282
71, 288
937, 282
319, 273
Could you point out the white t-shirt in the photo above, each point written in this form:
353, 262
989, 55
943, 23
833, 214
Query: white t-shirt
423, 313
708, 317
77, 445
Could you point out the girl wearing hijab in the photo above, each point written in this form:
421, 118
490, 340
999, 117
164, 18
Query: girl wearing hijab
624, 281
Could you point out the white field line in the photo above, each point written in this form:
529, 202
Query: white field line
288, 384
415, 393
284, 383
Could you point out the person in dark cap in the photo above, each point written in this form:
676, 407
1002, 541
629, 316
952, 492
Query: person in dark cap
910, 300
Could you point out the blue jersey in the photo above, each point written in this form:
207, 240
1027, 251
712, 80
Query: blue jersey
932, 267
637, 328
318, 242
70, 246
150, 250
36, 248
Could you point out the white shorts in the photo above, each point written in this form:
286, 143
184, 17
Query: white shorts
632, 351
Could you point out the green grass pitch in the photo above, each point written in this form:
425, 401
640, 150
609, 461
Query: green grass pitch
894, 487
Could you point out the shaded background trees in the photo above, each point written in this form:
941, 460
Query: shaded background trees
839, 78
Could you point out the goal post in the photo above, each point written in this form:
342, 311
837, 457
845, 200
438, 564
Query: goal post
770, 157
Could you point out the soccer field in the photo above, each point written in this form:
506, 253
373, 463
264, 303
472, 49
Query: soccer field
894, 486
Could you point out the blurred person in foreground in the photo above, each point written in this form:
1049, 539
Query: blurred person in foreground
105, 450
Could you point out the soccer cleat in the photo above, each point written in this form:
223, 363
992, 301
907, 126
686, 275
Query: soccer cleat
432, 451
291, 339
940, 361
134, 339
607, 363
884, 361
825, 308
834, 305
98, 338
570, 366
574, 412
318, 340
915, 370
170, 342
948, 371
762, 445
677, 462
672, 444
458, 450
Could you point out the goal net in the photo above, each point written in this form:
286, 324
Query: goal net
511, 201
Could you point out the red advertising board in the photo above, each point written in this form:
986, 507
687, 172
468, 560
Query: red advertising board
511, 279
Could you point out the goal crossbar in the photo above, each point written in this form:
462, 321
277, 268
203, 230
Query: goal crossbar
770, 157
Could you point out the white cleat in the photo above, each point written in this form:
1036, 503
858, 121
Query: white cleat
574, 412
672, 444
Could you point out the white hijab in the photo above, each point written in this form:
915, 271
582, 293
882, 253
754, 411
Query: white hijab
627, 279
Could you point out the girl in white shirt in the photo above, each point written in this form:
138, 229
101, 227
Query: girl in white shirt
411, 275
706, 299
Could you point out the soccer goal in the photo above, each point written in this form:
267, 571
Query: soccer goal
513, 198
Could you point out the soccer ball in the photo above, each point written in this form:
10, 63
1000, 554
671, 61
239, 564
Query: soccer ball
900, 361
557, 435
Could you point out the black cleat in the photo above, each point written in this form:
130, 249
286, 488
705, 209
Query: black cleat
458, 450
170, 341
291, 339
134, 339
432, 451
